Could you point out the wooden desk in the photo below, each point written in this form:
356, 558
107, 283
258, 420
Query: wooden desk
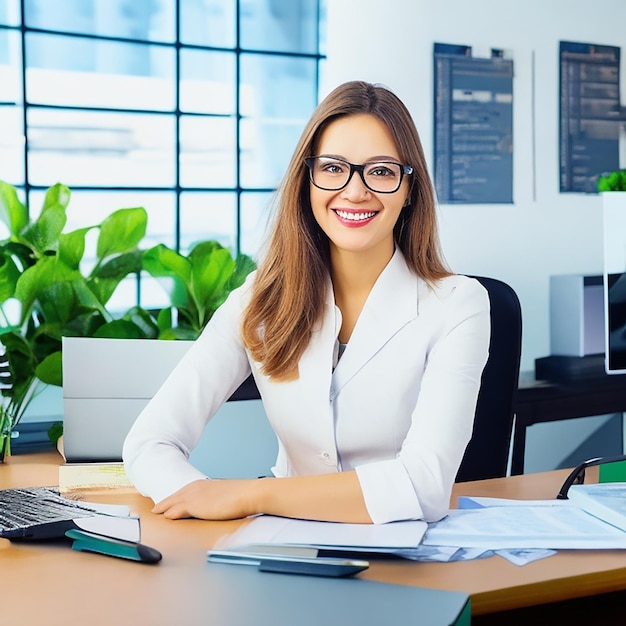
546, 402
47, 575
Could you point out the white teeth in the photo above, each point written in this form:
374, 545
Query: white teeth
355, 217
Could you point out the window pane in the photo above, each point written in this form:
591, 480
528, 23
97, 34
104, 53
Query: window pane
84, 148
134, 19
12, 145
207, 82
279, 26
208, 152
86, 72
208, 23
11, 112
10, 67
273, 125
10, 12
255, 219
206, 216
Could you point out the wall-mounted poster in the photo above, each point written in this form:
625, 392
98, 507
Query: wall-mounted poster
590, 114
473, 126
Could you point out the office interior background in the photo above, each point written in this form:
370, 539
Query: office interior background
264, 64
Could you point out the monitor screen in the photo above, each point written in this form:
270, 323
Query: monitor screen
614, 204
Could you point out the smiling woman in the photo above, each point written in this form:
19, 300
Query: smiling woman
366, 350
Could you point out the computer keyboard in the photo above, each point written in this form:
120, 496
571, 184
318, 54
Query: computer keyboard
26, 507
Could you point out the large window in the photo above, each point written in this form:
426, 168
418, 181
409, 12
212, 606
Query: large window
189, 108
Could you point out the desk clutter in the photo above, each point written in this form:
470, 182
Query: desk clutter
42, 513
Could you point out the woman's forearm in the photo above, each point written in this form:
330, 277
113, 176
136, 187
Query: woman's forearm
328, 497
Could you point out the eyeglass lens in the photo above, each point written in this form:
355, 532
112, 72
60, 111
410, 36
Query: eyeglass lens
334, 174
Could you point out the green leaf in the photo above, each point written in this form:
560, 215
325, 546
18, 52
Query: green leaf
54, 432
165, 319
612, 181
162, 262
9, 275
211, 269
244, 265
121, 231
120, 329
57, 196
12, 212
72, 247
180, 333
43, 235
107, 277
143, 320
50, 370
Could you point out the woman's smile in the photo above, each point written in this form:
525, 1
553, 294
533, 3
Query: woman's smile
355, 218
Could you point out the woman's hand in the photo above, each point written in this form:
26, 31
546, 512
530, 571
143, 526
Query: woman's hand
211, 500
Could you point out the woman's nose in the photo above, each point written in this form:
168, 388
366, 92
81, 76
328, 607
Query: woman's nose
355, 190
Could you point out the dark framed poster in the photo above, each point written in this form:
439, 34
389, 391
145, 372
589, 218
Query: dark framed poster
473, 126
589, 114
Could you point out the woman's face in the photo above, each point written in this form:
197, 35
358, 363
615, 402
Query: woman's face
357, 219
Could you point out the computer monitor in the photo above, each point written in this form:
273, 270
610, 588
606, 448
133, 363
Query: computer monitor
614, 205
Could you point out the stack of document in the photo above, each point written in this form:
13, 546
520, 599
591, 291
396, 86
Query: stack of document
496, 524
268, 530
519, 530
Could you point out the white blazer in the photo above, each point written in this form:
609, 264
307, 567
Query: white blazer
398, 408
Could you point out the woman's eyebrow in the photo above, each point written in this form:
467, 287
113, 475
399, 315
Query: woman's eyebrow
373, 159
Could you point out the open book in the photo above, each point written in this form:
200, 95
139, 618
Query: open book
42, 513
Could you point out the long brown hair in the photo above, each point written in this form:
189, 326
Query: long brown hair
292, 280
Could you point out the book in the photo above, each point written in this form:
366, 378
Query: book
92, 476
606, 501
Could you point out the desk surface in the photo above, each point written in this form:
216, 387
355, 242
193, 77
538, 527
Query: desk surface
494, 584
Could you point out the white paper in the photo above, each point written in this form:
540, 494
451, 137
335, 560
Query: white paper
268, 529
125, 528
514, 527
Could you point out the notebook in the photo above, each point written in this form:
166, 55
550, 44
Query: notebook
41, 513
106, 384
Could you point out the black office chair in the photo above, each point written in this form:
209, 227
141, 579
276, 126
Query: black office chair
487, 453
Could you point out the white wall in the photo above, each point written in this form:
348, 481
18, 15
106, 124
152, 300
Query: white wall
543, 232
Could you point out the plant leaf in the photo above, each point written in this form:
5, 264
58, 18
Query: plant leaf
163, 262
12, 212
72, 247
120, 329
57, 195
107, 277
121, 231
9, 275
43, 234
50, 370
211, 268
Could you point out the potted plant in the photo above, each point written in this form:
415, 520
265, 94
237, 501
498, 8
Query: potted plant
612, 181
47, 292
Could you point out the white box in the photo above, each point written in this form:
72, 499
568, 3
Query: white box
576, 315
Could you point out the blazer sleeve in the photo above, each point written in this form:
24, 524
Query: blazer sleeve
157, 448
417, 484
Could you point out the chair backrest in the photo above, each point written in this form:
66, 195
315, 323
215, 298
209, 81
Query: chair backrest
487, 453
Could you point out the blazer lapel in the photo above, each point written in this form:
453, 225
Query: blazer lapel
392, 303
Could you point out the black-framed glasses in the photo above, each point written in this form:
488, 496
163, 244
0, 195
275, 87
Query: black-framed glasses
577, 475
332, 174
